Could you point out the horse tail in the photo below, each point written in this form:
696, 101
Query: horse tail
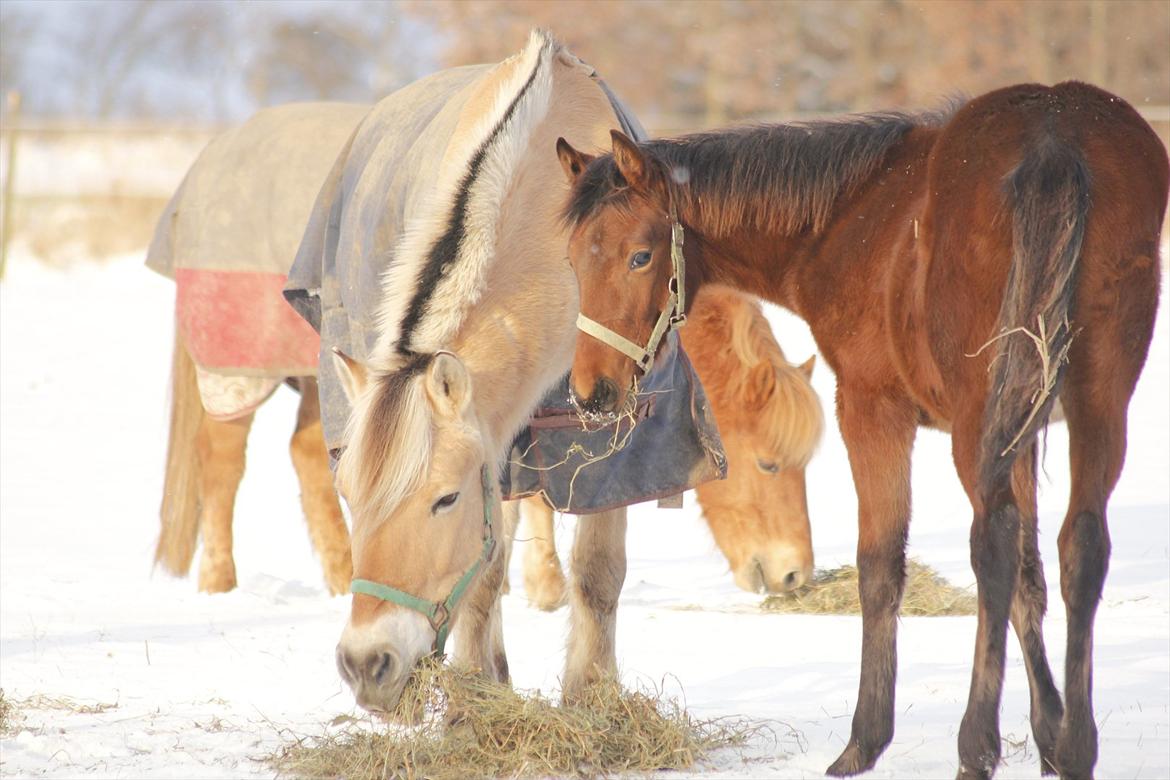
1048, 195
180, 502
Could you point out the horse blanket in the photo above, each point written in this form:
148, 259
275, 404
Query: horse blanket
381, 188
228, 237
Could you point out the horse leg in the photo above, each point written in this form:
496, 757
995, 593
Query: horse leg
327, 528
511, 513
996, 530
544, 582
879, 433
1027, 615
479, 639
221, 457
1102, 372
599, 570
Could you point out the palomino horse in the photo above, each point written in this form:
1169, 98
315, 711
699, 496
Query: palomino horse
960, 271
435, 255
770, 421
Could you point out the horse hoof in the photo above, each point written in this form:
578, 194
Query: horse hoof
547, 591
851, 762
217, 581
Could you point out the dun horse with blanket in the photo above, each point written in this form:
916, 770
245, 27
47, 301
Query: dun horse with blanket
961, 270
227, 238
433, 264
243, 206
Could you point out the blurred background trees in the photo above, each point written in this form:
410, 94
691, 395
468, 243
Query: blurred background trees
679, 64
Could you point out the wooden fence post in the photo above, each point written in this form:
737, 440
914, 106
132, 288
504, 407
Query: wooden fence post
10, 177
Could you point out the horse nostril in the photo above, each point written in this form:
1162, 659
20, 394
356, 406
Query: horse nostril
345, 667
605, 395
793, 580
382, 664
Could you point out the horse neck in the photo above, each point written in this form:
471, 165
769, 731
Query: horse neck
518, 339
728, 245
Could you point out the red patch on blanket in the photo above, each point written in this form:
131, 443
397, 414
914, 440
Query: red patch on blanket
240, 321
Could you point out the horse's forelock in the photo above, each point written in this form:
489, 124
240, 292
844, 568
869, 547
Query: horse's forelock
791, 418
389, 435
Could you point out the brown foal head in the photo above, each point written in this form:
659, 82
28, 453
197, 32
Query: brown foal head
411, 474
620, 252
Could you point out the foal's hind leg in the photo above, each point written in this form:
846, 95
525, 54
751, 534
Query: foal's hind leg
327, 528
1027, 615
598, 573
544, 582
878, 429
221, 457
995, 558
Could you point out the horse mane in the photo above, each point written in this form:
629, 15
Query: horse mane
389, 435
779, 178
730, 328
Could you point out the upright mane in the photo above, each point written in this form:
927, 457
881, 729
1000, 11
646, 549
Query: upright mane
446, 251
753, 376
781, 178
389, 435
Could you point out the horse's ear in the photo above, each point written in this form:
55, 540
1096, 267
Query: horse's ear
573, 161
353, 374
760, 385
807, 366
635, 167
448, 385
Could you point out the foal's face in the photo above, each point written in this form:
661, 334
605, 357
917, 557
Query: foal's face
622, 264
620, 254
421, 534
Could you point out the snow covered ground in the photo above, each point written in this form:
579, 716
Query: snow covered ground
204, 686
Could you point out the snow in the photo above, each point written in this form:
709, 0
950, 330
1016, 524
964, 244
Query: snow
207, 685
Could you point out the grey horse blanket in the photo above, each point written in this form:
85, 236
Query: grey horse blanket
366, 217
229, 234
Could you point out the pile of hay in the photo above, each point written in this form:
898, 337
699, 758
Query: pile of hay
7, 715
465, 726
834, 592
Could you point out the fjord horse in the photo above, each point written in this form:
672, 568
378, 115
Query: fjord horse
960, 270
770, 421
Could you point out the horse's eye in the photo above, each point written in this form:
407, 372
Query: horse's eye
639, 258
446, 502
768, 466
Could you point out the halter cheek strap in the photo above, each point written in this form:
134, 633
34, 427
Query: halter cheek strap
438, 613
672, 317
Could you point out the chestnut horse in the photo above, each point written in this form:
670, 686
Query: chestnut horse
960, 270
770, 421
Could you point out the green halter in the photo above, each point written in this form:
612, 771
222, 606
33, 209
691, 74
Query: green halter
438, 613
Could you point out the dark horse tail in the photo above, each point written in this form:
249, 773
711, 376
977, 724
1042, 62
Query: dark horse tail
1048, 194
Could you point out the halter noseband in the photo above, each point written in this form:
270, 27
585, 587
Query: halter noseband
672, 317
438, 613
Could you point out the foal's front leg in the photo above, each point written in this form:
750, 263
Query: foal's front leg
598, 573
878, 429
